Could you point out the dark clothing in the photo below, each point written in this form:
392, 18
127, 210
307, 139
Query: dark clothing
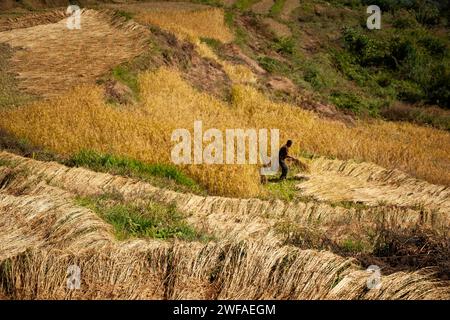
284, 169
282, 155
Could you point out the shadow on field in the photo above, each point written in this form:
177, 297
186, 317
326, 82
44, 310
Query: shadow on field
393, 250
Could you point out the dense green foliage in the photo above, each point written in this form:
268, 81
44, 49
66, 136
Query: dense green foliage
394, 72
408, 59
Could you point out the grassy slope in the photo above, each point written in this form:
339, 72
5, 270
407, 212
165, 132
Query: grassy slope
151, 220
9, 94
312, 69
390, 73
379, 73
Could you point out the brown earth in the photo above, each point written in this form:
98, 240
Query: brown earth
204, 74
263, 6
279, 29
289, 6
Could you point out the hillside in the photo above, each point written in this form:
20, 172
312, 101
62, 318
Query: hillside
87, 176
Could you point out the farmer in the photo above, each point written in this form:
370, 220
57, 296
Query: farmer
282, 156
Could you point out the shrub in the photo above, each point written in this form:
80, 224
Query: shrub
409, 91
434, 45
439, 86
366, 50
277, 7
347, 101
404, 20
270, 64
314, 76
434, 116
427, 13
417, 61
284, 45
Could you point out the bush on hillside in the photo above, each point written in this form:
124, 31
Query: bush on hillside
417, 61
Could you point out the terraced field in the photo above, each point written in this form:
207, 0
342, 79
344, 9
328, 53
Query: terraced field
52, 60
370, 184
43, 226
134, 239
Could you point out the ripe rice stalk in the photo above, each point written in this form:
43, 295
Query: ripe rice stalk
50, 234
84, 121
214, 271
233, 217
190, 24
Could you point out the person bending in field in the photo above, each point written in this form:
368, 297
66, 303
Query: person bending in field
283, 154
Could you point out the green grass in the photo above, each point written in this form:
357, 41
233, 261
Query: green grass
212, 43
272, 65
284, 45
125, 14
353, 246
10, 95
350, 205
5, 163
144, 220
240, 35
277, 7
244, 4
162, 175
125, 75
229, 18
284, 190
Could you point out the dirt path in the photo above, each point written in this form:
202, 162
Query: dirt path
51, 58
334, 180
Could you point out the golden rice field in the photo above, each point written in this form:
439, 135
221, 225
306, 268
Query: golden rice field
81, 119
208, 23
251, 248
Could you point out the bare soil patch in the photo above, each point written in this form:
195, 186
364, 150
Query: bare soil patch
289, 6
279, 29
263, 6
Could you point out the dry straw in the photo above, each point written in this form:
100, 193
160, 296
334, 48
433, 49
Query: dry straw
52, 59
207, 23
223, 217
42, 233
81, 119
